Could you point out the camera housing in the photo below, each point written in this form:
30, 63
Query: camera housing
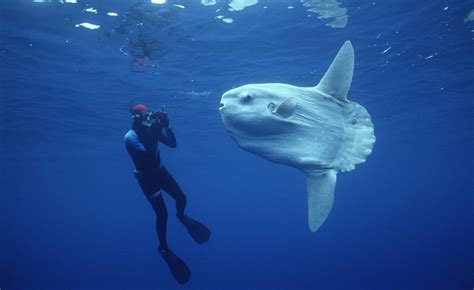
149, 119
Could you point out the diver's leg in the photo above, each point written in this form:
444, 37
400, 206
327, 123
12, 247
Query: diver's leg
199, 232
152, 191
169, 184
178, 267
161, 213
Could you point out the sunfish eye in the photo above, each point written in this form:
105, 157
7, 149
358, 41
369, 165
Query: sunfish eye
248, 97
271, 107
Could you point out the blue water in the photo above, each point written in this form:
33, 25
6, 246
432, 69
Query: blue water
73, 216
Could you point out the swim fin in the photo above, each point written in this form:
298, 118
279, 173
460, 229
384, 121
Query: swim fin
199, 232
178, 268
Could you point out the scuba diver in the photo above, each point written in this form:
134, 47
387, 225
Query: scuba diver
149, 128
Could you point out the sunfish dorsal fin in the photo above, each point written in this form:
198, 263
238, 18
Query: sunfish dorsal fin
338, 78
320, 197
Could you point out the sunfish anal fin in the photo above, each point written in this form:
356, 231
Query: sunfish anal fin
320, 197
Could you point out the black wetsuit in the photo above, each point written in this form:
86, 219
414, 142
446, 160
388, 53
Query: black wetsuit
142, 145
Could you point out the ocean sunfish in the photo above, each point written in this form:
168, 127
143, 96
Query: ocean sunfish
314, 129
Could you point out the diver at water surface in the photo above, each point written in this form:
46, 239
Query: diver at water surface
149, 128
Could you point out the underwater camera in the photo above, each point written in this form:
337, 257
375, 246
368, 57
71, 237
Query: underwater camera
149, 119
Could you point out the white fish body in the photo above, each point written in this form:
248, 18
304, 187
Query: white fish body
314, 129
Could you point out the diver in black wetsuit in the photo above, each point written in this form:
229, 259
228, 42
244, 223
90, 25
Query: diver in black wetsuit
149, 128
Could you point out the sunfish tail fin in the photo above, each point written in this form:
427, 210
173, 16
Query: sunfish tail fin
359, 138
338, 78
320, 197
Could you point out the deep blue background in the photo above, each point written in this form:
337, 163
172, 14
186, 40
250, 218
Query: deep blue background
73, 217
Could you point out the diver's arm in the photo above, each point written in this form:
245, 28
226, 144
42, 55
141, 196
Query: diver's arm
167, 137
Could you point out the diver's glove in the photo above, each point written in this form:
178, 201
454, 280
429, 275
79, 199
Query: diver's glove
164, 120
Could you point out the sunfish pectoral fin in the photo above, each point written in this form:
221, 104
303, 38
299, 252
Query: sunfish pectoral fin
320, 197
286, 108
338, 78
